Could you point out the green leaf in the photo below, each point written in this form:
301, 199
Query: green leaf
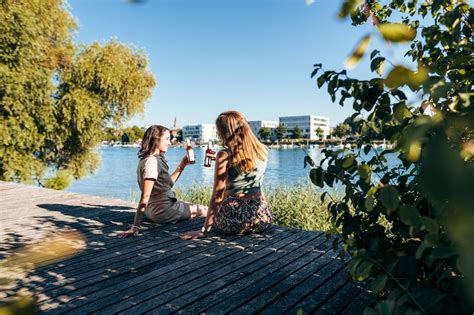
363, 270
323, 196
321, 80
315, 71
379, 283
397, 77
420, 250
308, 161
389, 197
410, 216
348, 7
378, 65
353, 264
367, 148
374, 53
369, 203
316, 175
358, 52
364, 172
444, 252
397, 32
430, 225
348, 162
401, 112
372, 191
329, 179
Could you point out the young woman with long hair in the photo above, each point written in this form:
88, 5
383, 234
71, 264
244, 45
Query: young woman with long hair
238, 203
158, 201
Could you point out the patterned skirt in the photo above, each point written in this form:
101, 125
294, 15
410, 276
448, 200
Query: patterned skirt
243, 216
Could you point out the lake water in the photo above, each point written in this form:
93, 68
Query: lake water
116, 177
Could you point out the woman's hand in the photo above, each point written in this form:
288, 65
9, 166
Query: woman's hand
184, 162
133, 232
192, 235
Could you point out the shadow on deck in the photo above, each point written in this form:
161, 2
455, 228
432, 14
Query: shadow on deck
282, 271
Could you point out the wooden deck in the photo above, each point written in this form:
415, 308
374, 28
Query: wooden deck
282, 271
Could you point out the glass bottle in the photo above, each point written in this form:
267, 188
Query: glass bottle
210, 155
190, 153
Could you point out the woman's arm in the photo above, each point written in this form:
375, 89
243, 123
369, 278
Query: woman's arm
218, 190
145, 197
179, 169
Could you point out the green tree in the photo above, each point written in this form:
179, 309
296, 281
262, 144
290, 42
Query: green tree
342, 130
408, 225
319, 132
132, 134
179, 136
110, 134
280, 131
296, 133
139, 133
264, 133
56, 98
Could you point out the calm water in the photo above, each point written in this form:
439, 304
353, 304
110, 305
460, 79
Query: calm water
116, 177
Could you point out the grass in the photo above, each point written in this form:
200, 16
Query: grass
297, 206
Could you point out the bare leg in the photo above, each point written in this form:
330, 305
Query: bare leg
195, 210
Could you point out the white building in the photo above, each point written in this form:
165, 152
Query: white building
308, 124
256, 125
200, 132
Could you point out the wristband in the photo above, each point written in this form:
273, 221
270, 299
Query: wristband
136, 227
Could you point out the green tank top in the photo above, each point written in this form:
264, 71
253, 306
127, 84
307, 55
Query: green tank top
246, 183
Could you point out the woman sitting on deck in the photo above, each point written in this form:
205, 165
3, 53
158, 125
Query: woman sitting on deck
237, 204
158, 201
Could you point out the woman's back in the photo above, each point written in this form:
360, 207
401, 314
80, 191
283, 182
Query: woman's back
245, 182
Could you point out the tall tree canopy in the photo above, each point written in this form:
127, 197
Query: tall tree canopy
56, 98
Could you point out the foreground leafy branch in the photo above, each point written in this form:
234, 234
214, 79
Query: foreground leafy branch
406, 216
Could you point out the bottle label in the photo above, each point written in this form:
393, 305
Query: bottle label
191, 155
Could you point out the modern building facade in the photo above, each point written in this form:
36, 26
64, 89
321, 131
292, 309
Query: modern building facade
256, 125
309, 125
200, 132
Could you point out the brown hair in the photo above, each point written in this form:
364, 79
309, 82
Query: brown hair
235, 133
151, 140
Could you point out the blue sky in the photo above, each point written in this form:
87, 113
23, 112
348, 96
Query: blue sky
208, 56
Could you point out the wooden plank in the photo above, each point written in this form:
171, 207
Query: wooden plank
322, 270
215, 270
219, 280
14, 237
322, 293
61, 205
281, 281
123, 269
78, 267
111, 245
224, 298
75, 263
118, 275
336, 303
281, 271
361, 301
215, 251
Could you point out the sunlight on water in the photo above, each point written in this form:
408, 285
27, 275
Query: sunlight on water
116, 177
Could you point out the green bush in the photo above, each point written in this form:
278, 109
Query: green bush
408, 227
